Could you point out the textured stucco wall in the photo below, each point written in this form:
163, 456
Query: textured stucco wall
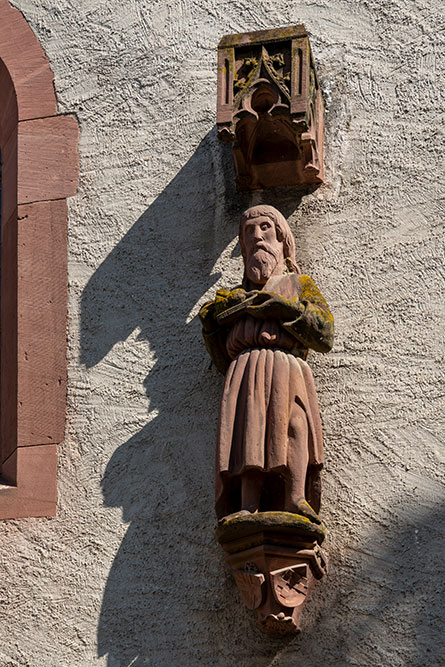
129, 572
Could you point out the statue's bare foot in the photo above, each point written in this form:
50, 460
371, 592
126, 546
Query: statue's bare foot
303, 508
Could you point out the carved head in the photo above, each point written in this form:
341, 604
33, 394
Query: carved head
267, 244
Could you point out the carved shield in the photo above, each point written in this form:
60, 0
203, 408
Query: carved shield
289, 585
250, 585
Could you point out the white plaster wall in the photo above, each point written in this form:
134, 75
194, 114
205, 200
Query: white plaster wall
129, 572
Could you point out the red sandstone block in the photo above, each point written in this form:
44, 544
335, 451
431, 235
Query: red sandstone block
42, 299
48, 159
36, 490
27, 65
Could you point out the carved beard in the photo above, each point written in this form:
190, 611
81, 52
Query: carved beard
261, 264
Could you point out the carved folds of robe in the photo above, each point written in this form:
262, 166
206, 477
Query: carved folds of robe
268, 386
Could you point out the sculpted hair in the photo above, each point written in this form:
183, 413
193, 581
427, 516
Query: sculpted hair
282, 231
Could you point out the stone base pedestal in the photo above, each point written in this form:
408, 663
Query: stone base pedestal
276, 560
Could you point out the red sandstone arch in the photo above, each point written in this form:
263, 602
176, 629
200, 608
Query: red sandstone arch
39, 171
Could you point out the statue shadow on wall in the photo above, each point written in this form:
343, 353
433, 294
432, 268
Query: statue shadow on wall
169, 598
165, 594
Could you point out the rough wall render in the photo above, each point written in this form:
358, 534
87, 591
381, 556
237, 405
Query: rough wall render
129, 572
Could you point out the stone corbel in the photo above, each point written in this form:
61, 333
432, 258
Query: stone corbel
276, 561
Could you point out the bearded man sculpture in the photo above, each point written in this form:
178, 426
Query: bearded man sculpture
259, 333
269, 443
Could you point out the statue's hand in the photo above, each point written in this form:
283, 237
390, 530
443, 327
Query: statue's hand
234, 306
224, 300
270, 305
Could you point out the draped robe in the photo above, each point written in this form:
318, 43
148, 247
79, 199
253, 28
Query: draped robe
266, 377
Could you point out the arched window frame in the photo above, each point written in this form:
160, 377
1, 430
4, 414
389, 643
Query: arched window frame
39, 171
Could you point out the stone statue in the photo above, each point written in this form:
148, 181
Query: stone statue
269, 445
